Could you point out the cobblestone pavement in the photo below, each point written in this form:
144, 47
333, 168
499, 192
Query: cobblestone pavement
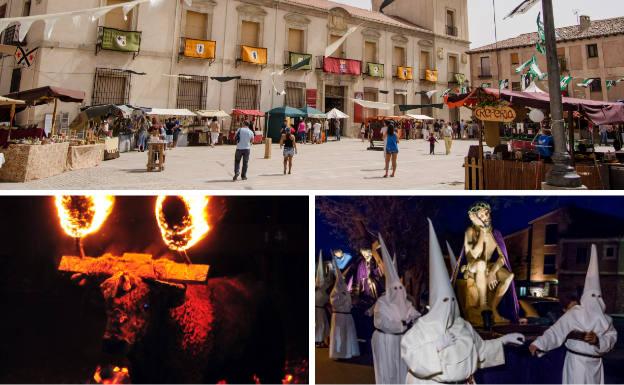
345, 165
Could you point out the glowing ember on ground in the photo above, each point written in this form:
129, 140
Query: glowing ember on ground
116, 375
83, 215
193, 226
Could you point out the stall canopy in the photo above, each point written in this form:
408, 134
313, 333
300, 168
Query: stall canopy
313, 113
44, 95
420, 117
276, 117
171, 112
375, 105
213, 114
123, 110
4, 101
247, 112
337, 114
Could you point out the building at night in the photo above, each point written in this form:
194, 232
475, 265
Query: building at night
590, 50
385, 60
557, 247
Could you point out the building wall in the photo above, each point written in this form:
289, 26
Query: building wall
608, 66
68, 58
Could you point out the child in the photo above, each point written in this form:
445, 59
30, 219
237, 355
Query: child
432, 141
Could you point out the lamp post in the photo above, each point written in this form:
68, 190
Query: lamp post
562, 175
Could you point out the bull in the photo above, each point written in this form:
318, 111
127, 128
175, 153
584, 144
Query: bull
223, 330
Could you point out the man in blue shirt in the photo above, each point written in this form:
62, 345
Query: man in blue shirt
244, 140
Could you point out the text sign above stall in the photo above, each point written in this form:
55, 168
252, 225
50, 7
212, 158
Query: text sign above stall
496, 114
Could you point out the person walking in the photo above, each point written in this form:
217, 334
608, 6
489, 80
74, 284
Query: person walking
244, 141
604, 138
301, 131
289, 143
316, 128
337, 126
362, 131
215, 129
326, 129
432, 141
447, 133
143, 134
391, 149
169, 124
176, 132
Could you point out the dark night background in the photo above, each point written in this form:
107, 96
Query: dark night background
450, 215
51, 329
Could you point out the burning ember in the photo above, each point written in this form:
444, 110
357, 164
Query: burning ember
83, 215
190, 228
111, 375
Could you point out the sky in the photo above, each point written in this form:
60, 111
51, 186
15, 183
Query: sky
483, 33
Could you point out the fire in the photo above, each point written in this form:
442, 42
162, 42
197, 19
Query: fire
83, 215
107, 375
193, 227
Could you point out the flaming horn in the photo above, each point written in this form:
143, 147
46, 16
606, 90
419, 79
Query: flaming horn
82, 215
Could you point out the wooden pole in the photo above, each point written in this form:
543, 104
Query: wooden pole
54, 117
571, 134
11, 118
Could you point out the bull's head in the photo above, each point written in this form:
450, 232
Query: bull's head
132, 304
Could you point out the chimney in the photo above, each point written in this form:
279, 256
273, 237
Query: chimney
585, 23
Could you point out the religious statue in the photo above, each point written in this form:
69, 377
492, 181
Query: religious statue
488, 277
368, 277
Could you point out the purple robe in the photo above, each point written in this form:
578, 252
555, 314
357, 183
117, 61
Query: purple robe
509, 306
366, 277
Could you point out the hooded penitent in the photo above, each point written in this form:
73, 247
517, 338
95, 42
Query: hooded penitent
320, 301
343, 342
396, 297
320, 272
583, 363
452, 257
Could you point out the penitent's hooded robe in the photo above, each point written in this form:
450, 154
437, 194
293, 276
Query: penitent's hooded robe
583, 362
392, 313
321, 324
419, 347
343, 343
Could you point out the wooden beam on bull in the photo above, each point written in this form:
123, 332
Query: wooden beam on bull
142, 265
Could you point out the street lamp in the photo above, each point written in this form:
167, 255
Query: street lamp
562, 175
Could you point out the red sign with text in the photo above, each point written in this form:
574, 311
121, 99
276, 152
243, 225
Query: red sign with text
311, 98
342, 66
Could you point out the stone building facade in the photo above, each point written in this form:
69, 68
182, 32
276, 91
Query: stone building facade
432, 35
589, 50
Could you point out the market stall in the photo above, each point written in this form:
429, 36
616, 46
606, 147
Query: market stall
239, 117
7, 129
514, 124
26, 162
186, 118
314, 115
276, 117
200, 136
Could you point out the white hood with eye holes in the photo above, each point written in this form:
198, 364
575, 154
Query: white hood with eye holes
395, 296
340, 298
592, 304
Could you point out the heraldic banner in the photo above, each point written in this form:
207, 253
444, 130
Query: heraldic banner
405, 73
118, 40
254, 55
342, 66
296, 58
431, 75
375, 70
200, 49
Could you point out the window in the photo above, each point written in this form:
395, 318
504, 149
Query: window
250, 33
296, 40
26, 11
370, 94
248, 94
196, 26
452, 69
609, 252
550, 264
514, 58
3, 9
596, 85
16, 79
486, 69
116, 18
192, 92
340, 51
551, 234
295, 94
451, 29
370, 52
10, 36
111, 87
399, 57
581, 255
592, 51
425, 60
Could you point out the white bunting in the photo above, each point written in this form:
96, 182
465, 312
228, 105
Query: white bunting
49, 27
333, 47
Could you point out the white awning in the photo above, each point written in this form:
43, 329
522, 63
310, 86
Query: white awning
376, 105
171, 112
213, 114
420, 117
534, 88
337, 114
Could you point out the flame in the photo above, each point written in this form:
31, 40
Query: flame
194, 225
118, 375
83, 215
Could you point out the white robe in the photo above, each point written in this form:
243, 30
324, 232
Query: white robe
321, 324
343, 343
578, 369
455, 363
386, 345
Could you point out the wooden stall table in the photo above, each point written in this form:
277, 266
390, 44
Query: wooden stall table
26, 162
156, 156
85, 156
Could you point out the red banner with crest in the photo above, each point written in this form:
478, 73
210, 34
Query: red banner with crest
342, 66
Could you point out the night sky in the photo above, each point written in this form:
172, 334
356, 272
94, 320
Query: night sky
509, 214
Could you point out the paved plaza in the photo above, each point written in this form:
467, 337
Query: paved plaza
344, 165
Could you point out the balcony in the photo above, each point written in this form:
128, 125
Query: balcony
294, 58
451, 30
403, 73
339, 66
485, 74
111, 39
374, 70
252, 55
197, 49
452, 78
433, 75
